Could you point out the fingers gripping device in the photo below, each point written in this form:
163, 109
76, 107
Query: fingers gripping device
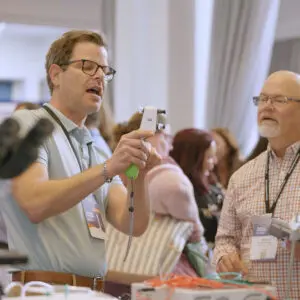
150, 121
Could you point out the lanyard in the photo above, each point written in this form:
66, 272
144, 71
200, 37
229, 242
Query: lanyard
283, 184
58, 121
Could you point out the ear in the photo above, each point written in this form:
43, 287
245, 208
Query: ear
54, 73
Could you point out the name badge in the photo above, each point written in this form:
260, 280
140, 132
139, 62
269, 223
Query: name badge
263, 245
94, 217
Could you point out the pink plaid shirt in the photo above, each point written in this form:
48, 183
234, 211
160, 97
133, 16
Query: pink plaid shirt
244, 199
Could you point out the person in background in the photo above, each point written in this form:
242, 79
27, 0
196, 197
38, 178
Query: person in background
194, 150
261, 188
107, 124
92, 122
27, 105
3, 234
170, 190
228, 154
5, 277
260, 147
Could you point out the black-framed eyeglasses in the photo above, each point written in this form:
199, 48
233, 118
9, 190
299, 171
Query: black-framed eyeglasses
275, 100
90, 68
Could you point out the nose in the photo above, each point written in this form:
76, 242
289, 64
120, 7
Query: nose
99, 74
268, 105
269, 101
99, 77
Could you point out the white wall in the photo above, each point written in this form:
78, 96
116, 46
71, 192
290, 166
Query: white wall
22, 60
22, 50
288, 20
61, 13
141, 56
162, 55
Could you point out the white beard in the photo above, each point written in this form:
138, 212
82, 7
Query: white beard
269, 129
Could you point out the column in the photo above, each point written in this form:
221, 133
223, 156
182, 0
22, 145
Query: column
162, 56
140, 54
189, 45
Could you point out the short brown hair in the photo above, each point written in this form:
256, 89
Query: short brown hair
27, 105
189, 147
61, 49
233, 160
134, 123
104, 121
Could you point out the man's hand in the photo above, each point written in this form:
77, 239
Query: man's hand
231, 263
297, 248
133, 148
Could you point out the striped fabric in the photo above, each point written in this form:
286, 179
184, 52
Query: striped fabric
157, 250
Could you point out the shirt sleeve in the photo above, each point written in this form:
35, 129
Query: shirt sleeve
43, 155
229, 229
171, 195
116, 180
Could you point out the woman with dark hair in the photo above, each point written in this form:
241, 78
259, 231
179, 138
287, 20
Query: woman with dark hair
195, 152
228, 154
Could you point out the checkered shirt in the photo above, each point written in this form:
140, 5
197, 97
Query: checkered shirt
244, 199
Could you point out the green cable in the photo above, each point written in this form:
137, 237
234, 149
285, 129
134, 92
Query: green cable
236, 280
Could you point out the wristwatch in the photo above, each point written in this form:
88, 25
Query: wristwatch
107, 179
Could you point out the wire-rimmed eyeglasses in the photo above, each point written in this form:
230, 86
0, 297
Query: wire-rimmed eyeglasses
90, 68
275, 100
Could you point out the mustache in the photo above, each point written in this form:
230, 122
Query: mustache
265, 115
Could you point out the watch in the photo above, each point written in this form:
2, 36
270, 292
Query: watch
107, 179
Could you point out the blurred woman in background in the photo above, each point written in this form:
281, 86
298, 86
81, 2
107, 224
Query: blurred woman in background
169, 189
27, 105
107, 124
100, 125
228, 155
195, 152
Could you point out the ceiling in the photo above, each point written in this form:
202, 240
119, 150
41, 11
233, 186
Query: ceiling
12, 30
288, 25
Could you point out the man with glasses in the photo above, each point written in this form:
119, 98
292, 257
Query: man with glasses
59, 207
268, 186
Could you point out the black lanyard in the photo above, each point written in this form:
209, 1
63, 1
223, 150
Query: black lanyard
58, 121
267, 182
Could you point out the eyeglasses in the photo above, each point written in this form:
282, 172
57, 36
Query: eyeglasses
275, 100
90, 68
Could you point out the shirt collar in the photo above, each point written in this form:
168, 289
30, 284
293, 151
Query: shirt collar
94, 132
291, 150
81, 133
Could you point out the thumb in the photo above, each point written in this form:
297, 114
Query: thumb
140, 134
